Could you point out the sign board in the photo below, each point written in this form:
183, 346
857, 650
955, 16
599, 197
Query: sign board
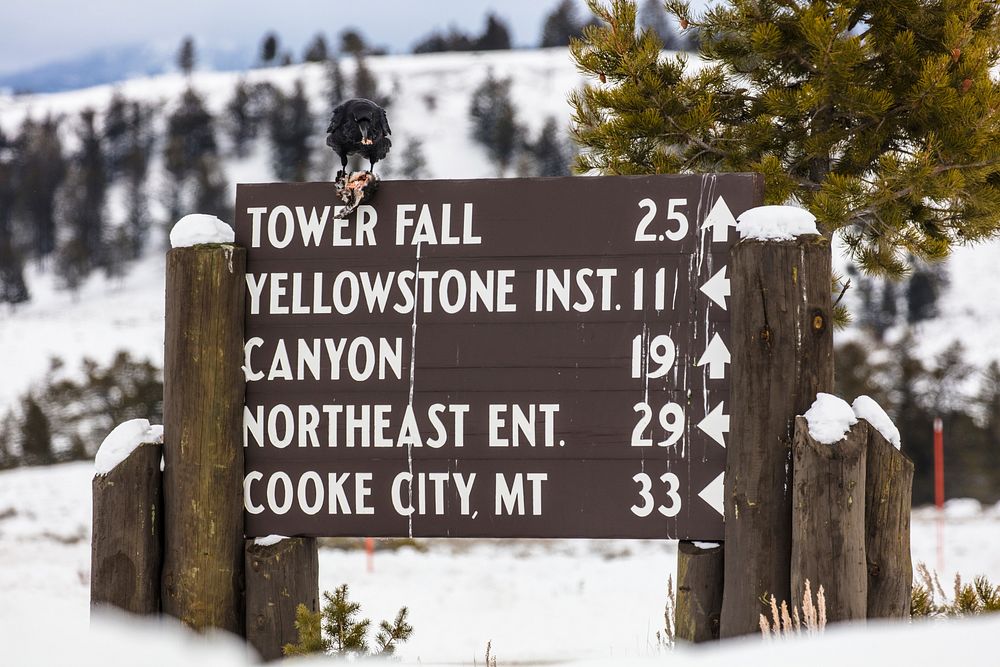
490, 358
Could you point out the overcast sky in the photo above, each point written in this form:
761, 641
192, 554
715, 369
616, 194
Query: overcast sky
34, 32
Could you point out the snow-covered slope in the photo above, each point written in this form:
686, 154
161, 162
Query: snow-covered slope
431, 95
536, 600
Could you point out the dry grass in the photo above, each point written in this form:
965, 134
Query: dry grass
666, 638
812, 620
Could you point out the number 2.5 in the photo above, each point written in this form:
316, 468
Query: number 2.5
642, 232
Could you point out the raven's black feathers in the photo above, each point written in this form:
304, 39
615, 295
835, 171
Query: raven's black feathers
359, 126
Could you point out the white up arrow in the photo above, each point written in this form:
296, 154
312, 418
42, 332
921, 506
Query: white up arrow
716, 356
715, 424
714, 493
719, 220
718, 288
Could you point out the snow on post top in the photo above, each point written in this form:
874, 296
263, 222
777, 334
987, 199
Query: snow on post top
830, 418
777, 223
124, 440
200, 228
269, 540
866, 408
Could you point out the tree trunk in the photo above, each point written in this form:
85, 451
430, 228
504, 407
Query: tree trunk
203, 389
888, 496
782, 355
828, 521
699, 592
280, 577
127, 542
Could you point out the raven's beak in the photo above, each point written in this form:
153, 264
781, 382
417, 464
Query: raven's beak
364, 133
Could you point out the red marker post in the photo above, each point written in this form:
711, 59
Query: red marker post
939, 488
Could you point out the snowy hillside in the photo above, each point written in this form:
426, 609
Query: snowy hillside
431, 95
536, 600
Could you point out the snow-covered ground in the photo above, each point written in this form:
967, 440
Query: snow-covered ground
534, 600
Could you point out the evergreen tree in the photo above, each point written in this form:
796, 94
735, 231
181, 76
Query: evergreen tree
352, 42
239, 119
115, 135
291, 131
496, 35
437, 42
365, 83
925, 285
336, 86
138, 149
561, 25
494, 121
186, 56
653, 17
989, 403
269, 49
85, 248
190, 139
880, 118
414, 164
888, 311
42, 171
286, 59
36, 435
549, 151
317, 51
13, 289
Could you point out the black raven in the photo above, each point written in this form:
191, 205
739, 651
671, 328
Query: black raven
359, 126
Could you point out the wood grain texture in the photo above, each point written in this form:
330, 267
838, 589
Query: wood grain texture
782, 355
888, 499
699, 592
279, 577
828, 521
127, 542
203, 391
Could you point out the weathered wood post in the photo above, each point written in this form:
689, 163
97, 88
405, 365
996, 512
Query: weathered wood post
782, 355
127, 544
279, 576
203, 389
699, 591
828, 520
888, 496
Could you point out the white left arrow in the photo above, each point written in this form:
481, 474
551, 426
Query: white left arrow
719, 220
714, 493
716, 424
718, 288
716, 357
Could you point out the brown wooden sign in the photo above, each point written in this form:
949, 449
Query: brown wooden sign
490, 358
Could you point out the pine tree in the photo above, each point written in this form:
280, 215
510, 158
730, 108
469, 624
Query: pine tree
36, 436
42, 168
291, 132
85, 247
336, 86
269, 49
138, 149
924, 287
186, 56
496, 35
190, 139
414, 164
115, 135
239, 120
13, 289
653, 17
365, 83
880, 118
317, 51
561, 25
549, 151
494, 121
352, 42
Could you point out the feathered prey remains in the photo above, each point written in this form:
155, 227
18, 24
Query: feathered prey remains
358, 127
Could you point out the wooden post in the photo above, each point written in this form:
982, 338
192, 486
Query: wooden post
888, 497
699, 592
203, 389
828, 521
127, 542
279, 577
782, 355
